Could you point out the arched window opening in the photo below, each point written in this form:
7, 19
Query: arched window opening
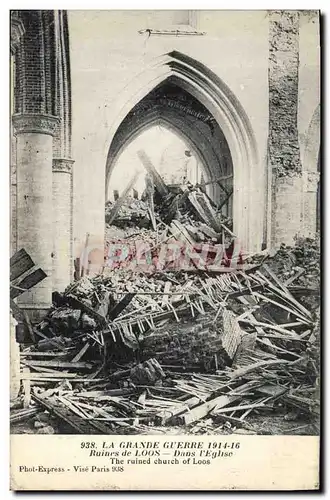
171, 155
183, 141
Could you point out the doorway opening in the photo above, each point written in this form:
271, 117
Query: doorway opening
183, 141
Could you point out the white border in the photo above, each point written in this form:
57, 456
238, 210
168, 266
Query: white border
4, 184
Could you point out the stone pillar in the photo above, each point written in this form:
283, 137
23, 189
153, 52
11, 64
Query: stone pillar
310, 182
34, 134
62, 223
283, 144
287, 212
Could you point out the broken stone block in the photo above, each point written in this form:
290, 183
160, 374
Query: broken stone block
87, 323
39, 425
65, 318
147, 373
48, 429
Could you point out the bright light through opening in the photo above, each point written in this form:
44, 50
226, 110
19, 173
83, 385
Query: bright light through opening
172, 157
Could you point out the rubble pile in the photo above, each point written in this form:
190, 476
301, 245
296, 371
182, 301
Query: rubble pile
205, 360
299, 267
133, 213
186, 203
160, 350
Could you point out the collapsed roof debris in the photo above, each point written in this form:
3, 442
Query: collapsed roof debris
194, 350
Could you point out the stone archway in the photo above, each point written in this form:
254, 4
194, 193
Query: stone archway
176, 110
228, 114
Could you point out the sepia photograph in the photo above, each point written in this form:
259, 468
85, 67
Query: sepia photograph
165, 225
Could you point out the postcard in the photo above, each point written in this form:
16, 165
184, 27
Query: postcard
165, 250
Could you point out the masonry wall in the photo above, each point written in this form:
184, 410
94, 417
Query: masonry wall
293, 95
309, 77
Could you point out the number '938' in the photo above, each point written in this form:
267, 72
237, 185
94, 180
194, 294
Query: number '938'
87, 444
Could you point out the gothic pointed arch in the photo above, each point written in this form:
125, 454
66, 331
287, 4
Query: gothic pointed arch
228, 116
313, 139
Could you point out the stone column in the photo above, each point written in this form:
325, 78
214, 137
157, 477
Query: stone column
34, 134
62, 223
309, 212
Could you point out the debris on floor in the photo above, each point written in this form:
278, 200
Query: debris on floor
182, 349
209, 348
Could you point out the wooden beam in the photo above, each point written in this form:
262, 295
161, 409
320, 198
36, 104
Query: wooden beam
53, 363
216, 181
168, 415
20, 262
204, 209
225, 199
199, 412
121, 200
158, 181
26, 283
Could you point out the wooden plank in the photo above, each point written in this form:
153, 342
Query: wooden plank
29, 326
44, 370
167, 288
20, 262
77, 304
241, 372
281, 306
208, 231
168, 416
293, 278
226, 199
183, 231
216, 181
37, 354
227, 230
121, 200
199, 412
106, 394
276, 328
26, 388
23, 415
27, 282
16, 311
47, 376
158, 181
118, 308
239, 408
80, 354
80, 425
272, 390
59, 364
286, 293
218, 417
177, 229
204, 210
